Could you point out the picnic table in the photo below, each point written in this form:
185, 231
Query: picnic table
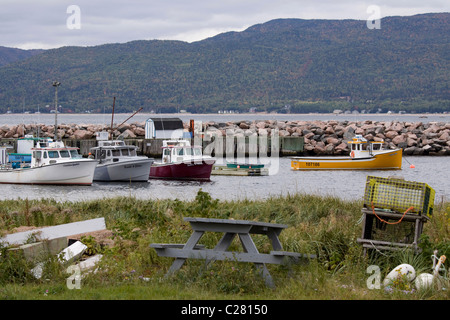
230, 228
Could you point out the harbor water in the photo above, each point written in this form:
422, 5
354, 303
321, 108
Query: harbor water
344, 184
66, 118
432, 170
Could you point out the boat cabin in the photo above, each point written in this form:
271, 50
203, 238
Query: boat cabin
179, 151
360, 147
50, 152
112, 150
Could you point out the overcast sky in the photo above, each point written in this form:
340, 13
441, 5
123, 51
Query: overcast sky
31, 24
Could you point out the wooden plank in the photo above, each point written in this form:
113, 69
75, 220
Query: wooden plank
293, 254
210, 254
63, 230
236, 222
174, 245
378, 242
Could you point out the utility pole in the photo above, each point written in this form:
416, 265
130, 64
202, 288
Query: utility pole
56, 85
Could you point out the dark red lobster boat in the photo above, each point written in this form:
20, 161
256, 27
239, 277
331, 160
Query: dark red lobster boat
181, 161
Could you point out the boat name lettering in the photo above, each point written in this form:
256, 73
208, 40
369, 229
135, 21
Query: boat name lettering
132, 166
312, 164
71, 165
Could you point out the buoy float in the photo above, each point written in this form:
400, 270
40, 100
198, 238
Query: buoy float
412, 166
425, 280
401, 270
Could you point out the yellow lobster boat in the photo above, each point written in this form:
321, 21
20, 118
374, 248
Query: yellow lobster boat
364, 155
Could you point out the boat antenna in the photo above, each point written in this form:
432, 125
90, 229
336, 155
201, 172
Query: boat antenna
56, 84
112, 116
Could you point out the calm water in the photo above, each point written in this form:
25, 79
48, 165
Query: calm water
12, 119
343, 184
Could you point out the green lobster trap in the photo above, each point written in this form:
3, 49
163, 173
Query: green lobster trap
399, 195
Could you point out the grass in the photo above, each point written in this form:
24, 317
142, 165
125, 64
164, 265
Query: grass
131, 270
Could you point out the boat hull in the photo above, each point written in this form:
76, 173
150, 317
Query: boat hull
80, 172
244, 165
196, 170
132, 170
391, 160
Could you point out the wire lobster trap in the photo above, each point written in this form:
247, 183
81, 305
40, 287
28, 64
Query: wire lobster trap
399, 195
394, 213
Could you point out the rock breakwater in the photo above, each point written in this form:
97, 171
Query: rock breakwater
330, 137
320, 137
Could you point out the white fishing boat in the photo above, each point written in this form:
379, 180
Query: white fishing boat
51, 163
119, 162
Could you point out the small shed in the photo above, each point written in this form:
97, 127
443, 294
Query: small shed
163, 128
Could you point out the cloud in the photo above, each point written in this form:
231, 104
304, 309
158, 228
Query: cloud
43, 24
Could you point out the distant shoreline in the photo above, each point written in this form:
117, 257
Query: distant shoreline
241, 113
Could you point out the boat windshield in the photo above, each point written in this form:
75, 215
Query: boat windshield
64, 154
116, 153
74, 154
188, 151
376, 146
53, 154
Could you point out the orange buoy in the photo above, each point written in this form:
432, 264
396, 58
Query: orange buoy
412, 166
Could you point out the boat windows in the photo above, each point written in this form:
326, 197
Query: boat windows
125, 152
188, 151
37, 154
53, 154
116, 153
197, 151
166, 152
64, 154
376, 146
180, 152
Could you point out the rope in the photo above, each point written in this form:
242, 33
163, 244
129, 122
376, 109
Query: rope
373, 210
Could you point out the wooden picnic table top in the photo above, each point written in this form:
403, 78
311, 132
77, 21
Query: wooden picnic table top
236, 226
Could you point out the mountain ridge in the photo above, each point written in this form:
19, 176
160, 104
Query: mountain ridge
281, 65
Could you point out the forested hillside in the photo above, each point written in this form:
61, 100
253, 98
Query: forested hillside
10, 55
284, 65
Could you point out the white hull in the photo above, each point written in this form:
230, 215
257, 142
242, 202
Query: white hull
124, 170
77, 172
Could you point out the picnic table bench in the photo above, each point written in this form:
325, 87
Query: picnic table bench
230, 228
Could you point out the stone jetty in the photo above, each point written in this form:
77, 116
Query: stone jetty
330, 137
320, 137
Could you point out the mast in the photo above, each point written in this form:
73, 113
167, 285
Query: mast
56, 84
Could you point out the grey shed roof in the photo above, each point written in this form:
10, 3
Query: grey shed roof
167, 123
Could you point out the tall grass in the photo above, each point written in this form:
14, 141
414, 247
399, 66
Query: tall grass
325, 226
